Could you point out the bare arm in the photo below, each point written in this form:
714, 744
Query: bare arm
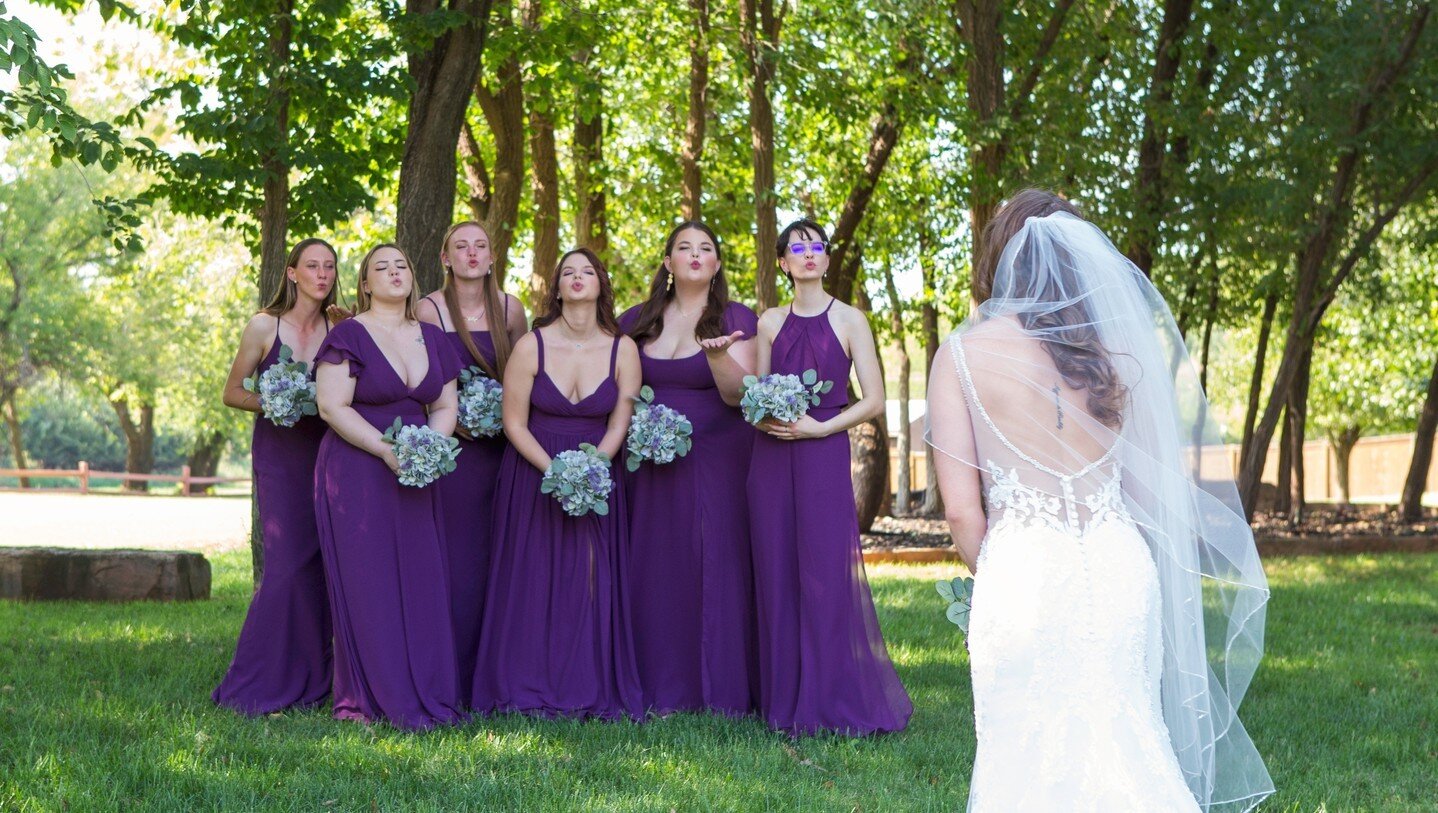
730, 359
951, 442
254, 344
444, 412
855, 329
518, 384
627, 374
335, 393
769, 325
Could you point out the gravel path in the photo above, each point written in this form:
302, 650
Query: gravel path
203, 524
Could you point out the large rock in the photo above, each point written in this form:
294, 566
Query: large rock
76, 574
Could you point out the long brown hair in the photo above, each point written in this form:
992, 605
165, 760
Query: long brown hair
362, 297
1080, 357
661, 292
493, 309
604, 308
288, 294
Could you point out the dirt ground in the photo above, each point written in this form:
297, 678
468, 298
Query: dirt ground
214, 524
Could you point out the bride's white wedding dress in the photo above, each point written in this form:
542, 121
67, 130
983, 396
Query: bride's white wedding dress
1118, 604
1065, 642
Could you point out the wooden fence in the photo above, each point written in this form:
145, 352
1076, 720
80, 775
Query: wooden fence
85, 474
1376, 468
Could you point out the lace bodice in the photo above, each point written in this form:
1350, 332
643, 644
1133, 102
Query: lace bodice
1010, 500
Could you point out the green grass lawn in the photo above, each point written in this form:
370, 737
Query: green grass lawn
107, 707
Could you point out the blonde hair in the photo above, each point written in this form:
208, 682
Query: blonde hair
288, 293
362, 297
493, 309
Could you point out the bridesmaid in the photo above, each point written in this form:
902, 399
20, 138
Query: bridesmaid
691, 585
822, 661
462, 309
382, 541
555, 637
282, 658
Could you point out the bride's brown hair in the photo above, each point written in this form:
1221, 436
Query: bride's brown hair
1080, 357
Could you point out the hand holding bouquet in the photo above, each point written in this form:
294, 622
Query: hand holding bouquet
656, 432
579, 479
424, 455
285, 389
784, 398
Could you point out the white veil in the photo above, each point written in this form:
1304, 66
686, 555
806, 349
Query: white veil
1062, 288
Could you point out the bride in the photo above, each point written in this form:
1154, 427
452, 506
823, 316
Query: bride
1117, 612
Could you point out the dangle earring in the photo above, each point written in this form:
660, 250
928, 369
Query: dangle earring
670, 289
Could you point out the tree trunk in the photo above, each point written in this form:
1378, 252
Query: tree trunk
139, 440
1209, 318
1298, 416
882, 139
759, 35
503, 110
1283, 495
896, 324
275, 205
690, 156
1411, 506
929, 322
868, 449
1343, 442
442, 75
1149, 190
476, 175
544, 169
204, 458
869, 469
1255, 386
591, 223
17, 439
544, 184
981, 21
1313, 290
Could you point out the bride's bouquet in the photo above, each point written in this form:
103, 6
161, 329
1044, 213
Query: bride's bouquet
579, 479
480, 398
656, 432
285, 389
959, 592
784, 398
424, 454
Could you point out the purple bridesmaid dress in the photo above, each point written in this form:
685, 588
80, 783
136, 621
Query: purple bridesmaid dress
384, 551
466, 496
823, 666
691, 584
555, 637
282, 658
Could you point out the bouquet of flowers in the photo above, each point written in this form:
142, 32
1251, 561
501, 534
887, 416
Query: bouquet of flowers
656, 432
479, 403
424, 454
285, 389
959, 592
781, 397
579, 479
